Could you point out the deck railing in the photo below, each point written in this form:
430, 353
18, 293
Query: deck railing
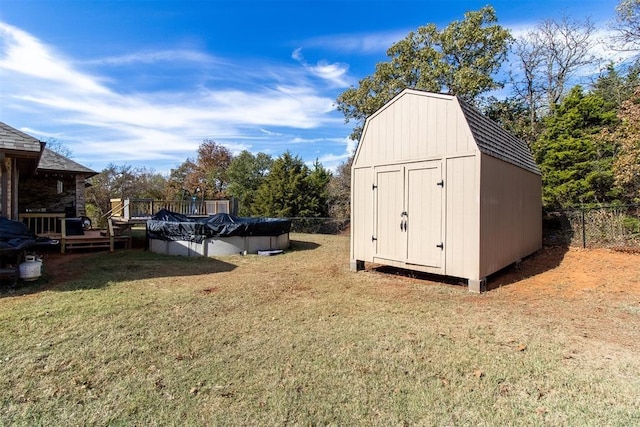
144, 208
45, 224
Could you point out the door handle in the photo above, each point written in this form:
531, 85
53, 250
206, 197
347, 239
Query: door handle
441, 246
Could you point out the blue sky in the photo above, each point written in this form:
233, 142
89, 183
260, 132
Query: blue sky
143, 82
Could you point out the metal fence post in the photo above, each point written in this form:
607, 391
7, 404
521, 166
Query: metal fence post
584, 230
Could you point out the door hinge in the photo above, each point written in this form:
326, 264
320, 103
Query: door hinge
441, 246
441, 183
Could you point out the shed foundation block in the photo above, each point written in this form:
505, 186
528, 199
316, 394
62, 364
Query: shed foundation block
356, 265
477, 286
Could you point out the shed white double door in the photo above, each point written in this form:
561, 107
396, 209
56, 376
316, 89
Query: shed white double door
408, 213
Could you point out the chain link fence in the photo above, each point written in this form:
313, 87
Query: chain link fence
614, 227
320, 225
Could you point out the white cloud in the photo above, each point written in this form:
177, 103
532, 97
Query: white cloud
270, 133
331, 161
297, 54
39, 85
359, 43
42, 135
335, 73
152, 57
24, 54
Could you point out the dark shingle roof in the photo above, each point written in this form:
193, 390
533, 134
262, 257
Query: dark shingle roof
17, 142
52, 161
12, 139
496, 142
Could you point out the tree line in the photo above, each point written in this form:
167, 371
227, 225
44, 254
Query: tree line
263, 186
585, 138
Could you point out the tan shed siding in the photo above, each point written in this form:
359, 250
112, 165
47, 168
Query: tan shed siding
362, 157
414, 126
390, 144
362, 214
461, 238
453, 127
375, 140
510, 214
405, 129
414, 129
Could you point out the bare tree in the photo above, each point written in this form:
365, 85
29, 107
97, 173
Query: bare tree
340, 191
567, 47
58, 146
548, 57
627, 26
528, 51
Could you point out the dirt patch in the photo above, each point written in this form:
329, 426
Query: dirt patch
571, 274
591, 295
60, 268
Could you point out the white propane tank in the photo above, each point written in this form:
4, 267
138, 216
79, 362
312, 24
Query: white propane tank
31, 269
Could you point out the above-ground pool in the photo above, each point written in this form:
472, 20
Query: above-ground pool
171, 233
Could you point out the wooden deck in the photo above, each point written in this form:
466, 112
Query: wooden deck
54, 226
94, 239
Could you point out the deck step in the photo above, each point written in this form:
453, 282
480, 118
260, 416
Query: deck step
84, 242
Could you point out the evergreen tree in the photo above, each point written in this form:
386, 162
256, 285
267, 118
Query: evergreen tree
246, 173
292, 190
317, 203
576, 165
616, 86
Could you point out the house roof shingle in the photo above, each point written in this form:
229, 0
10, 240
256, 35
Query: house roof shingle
12, 139
31, 149
52, 161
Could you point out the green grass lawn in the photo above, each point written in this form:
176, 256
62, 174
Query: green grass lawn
136, 338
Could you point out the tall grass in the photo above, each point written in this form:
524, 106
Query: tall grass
142, 339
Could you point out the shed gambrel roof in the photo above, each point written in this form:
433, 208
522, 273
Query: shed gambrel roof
494, 141
488, 136
52, 161
13, 140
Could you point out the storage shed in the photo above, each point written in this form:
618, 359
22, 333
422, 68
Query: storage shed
437, 187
